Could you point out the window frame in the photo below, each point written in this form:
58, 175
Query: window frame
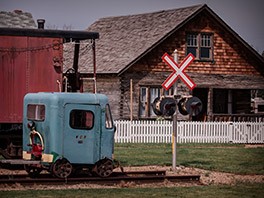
81, 127
109, 124
39, 112
193, 44
200, 45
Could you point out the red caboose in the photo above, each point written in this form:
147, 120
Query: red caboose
27, 64
31, 60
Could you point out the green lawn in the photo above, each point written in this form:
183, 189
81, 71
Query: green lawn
233, 158
241, 191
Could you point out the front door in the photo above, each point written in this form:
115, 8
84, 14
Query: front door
81, 135
202, 94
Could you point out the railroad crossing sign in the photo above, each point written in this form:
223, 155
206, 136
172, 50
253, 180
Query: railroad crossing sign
178, 71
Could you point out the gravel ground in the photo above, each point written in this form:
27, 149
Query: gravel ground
207, 178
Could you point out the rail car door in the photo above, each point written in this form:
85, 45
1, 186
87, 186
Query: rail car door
81, 136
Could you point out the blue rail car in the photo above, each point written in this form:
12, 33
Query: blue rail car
66, 132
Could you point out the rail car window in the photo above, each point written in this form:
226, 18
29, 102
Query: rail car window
36, 112
108, 118
81, 119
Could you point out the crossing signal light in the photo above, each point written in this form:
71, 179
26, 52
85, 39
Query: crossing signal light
190, 105
164, 106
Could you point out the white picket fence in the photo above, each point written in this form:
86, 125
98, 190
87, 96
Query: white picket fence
146, 131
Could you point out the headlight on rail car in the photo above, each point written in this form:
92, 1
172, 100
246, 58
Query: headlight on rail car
31, 125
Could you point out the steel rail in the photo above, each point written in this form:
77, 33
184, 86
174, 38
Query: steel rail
117, 177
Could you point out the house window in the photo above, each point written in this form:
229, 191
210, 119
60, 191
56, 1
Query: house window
143, 102
192, 45
147, 95
154, 93
200, 45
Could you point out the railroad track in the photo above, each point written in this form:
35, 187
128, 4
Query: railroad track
138, 177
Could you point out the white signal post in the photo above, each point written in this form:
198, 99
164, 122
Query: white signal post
178, 72
174, 118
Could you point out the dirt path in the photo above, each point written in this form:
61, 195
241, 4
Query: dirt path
207, 178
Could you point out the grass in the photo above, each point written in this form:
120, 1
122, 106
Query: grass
219, 157
223, 191
231, 158
143, 154
225, 159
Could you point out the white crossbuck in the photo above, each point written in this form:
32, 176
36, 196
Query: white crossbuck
178, 71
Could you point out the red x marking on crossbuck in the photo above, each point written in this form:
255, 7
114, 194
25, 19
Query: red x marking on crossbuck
178, 71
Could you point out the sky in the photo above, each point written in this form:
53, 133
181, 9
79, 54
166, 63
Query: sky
245, 17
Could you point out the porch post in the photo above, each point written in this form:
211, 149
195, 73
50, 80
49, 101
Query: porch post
210, 104
131, 99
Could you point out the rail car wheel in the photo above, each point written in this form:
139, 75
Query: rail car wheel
32, 171
104, 168
62, 168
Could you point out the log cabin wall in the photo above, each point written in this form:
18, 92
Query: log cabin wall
110, 86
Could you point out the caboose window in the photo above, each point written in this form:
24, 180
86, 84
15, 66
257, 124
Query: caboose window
36, 112
81, 119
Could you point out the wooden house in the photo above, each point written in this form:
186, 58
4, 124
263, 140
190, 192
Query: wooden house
228, 72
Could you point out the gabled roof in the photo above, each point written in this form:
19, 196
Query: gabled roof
16, 19
125, 39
